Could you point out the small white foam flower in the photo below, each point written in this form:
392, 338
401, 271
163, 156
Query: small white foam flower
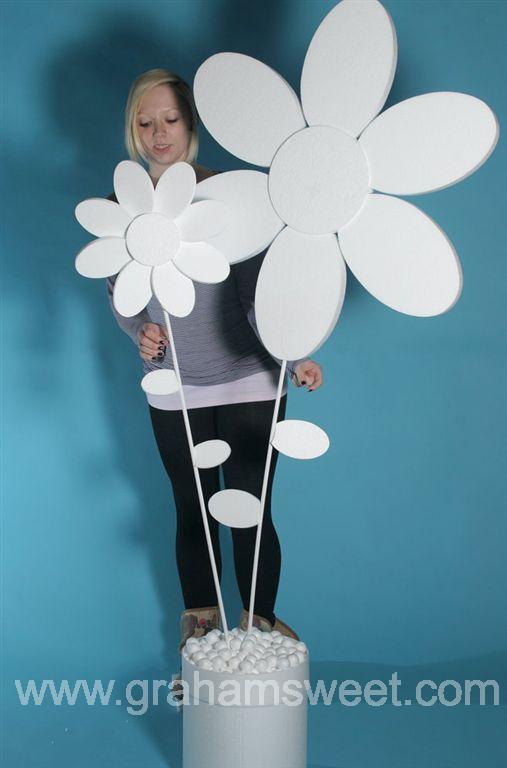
155, 238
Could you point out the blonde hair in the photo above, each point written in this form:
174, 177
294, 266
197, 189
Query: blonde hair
186, 103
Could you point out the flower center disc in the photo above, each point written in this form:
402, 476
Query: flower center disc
318, 180
152, 239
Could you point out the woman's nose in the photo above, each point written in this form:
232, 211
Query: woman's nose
158, 127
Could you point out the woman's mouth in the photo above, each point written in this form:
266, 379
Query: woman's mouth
161, 149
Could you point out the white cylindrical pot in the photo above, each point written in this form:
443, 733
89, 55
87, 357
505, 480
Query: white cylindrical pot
245, 720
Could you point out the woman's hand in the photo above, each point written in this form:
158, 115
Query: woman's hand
152, 341
308, 373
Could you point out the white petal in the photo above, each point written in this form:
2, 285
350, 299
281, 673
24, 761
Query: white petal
300, 439
402, 257
211, 453
429, 142
237, 509
103, 257
349, 66
161, 382
175, 190
132, 289
300, 292
175, 292
103, 218
133, 188
202, 220
246, 106
253, 222
202, 262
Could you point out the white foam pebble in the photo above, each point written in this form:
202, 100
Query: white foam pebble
252, 652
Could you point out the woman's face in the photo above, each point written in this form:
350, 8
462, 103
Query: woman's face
162, 130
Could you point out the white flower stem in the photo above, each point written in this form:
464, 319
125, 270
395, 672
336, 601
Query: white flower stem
267, 467
197, 477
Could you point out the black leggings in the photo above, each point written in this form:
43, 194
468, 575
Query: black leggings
246, 427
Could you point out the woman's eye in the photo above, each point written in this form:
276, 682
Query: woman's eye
145, 125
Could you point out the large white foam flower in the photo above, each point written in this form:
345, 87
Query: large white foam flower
154, 237
329, 156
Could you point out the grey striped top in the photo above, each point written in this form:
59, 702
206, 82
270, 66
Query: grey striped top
218, 341
217, 344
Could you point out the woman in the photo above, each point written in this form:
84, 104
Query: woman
229, 380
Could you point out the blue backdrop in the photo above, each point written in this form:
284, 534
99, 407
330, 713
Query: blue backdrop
394, 541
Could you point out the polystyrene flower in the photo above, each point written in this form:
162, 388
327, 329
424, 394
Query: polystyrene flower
329, 156
154, 237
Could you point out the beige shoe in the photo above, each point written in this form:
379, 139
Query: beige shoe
265, 626
197, 622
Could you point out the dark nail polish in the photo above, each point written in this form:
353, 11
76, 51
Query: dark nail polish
153, 358
160, 354
303, 383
